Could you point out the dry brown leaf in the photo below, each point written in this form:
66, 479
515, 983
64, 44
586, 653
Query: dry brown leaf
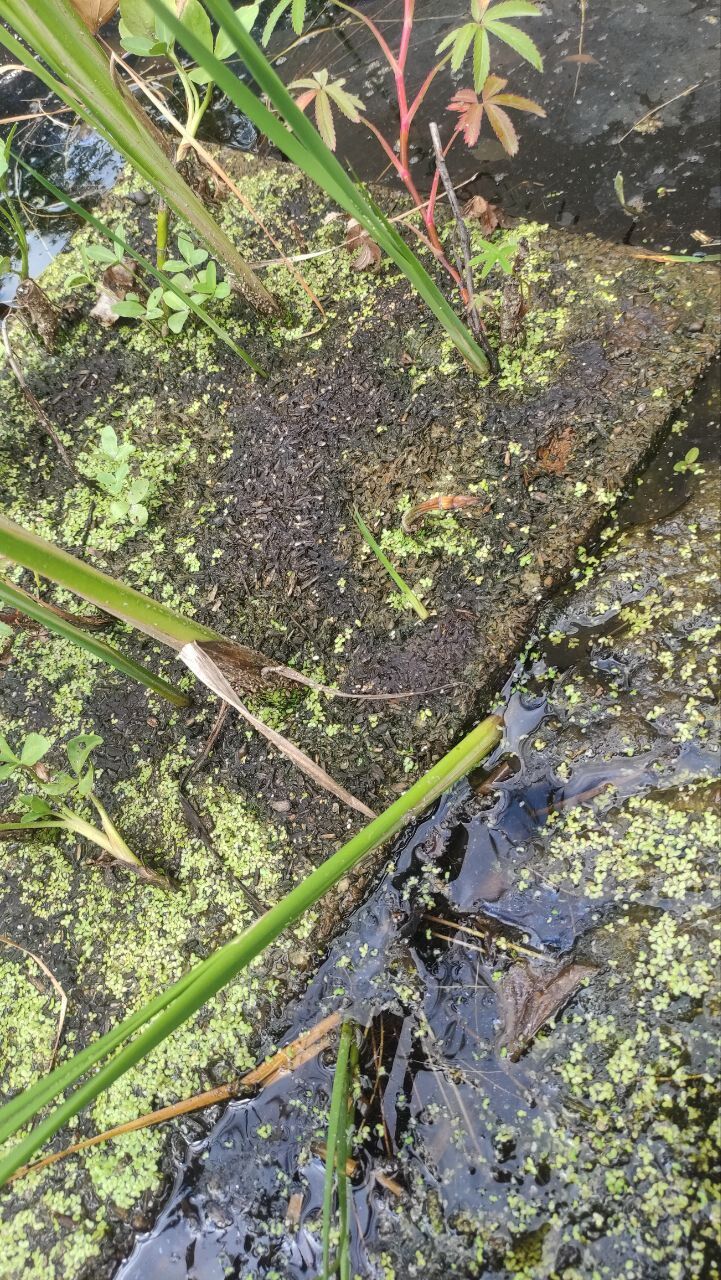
531, 993
197, 657
95, 13
490, 216
359, 242
580, 58
117, 279
552, 456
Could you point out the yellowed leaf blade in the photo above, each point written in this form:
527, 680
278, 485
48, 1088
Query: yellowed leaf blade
201, 664
95, 13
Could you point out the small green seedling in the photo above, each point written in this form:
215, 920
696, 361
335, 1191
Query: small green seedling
689, 463
495, 255
198, 282
104, 255
48, 806
127, 503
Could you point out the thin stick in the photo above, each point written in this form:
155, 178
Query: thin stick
36, 407
654, 111
306, 1046
581, 35
61, 994
464, 240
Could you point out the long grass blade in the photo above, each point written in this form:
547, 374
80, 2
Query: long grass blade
167, 281
83, 80
301, 142
173, 1007
335, 1142
106, 593
36, 610
380, 556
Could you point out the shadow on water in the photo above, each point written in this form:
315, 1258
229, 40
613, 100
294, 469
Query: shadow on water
501, 970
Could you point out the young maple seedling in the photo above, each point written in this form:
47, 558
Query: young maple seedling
48, 806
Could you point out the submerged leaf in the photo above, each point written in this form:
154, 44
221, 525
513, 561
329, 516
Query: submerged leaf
531, 993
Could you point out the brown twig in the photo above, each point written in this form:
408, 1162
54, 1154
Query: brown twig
61, 994
464, 241
306, 1046
36, 407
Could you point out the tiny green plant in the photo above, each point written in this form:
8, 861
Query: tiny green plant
409, 596
495, 255
96, 255
689, 463
55, 798
127, 494
194, 283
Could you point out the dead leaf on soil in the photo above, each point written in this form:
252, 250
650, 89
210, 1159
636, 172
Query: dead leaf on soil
117, 280
531, 993
94, 13
490, 216
581, 58
552, 456
367, 252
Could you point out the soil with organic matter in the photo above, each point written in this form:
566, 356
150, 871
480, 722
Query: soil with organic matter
252, 483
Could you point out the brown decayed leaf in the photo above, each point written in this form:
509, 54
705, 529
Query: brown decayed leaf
201, 659
94, 13
118, 278
367, 253
490, 216
581, 58
552, 456
531, 993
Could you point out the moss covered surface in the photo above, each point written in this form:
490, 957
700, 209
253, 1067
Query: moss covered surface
249, 529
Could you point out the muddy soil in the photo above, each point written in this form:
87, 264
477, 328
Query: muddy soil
251, 488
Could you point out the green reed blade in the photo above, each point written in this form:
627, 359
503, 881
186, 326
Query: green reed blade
35, 609
174, 1006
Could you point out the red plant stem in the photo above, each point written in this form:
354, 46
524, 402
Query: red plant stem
406, 114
